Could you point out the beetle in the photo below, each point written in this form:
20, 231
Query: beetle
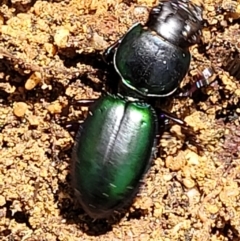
116, 143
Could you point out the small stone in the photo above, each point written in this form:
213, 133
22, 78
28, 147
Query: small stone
214, 21
43, 172
158, 210
33, 120
237, 92
50, 48
192, 158
19, 109
176, 129
33, 81
139, 11
167, 177
193, 196
146, 203
229, 194
157, 213
98, 42
210, 8
211, 208
177, 163
61, 37
206, 34
9, 162
188, 182
55, 108
238, 9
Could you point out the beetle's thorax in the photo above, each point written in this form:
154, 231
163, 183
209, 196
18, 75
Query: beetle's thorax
177, 21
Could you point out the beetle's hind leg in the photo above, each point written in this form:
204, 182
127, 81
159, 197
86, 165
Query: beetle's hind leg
175, 119
204, 79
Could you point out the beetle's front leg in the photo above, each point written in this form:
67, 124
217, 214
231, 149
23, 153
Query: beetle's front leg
203, 80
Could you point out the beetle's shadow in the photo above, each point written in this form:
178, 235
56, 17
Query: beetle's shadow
72, 212
105, 72
18, 77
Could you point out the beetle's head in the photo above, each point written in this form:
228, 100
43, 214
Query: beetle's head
178, 21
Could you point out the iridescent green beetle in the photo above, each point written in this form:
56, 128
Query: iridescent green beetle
115, 145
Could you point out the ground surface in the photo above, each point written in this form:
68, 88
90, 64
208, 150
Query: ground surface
50, 56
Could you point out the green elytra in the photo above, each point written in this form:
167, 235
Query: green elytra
110, 159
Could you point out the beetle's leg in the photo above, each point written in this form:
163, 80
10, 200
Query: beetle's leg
109, 52
83, 102
73, 126
203, 80
190, 134
233, 67
165, 117
185, 127
173, 118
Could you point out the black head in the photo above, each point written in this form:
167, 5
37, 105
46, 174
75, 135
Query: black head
178, 21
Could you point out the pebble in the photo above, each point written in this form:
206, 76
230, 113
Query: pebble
55, 108
188, 182
50, 48
34, 79
61, 37
19, 109
33, 120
